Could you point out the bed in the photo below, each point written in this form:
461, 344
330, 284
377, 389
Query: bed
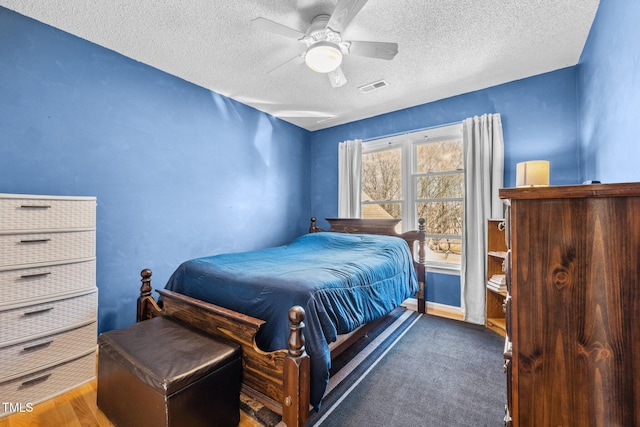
286, 305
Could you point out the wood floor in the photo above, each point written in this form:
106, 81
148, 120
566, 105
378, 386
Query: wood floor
76, 408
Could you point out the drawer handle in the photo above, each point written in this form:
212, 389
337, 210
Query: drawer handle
40, 311
35, 206
37, 346
35, 241
34, 381
34, 275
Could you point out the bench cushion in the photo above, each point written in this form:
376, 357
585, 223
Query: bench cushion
160, 372
165, 354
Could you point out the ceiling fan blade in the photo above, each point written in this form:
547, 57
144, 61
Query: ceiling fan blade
336, 77
380, 50
345, 11
273, 27
282, 69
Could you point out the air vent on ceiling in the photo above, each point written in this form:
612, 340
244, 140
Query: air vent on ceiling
373, 86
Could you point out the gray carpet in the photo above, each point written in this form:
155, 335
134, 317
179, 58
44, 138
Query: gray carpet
441, 373
347, 367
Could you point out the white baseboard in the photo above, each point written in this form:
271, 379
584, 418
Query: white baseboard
436, 308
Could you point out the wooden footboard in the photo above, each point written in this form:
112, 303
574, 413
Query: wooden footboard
280, 380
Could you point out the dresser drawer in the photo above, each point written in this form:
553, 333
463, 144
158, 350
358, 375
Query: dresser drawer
38, 319
30, 284
19, 212
30, 355
45, 384
21, 249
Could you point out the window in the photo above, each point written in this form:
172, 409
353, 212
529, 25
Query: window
419, 175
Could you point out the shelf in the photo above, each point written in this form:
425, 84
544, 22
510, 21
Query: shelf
498, 325
496, 258
498, 254
501, 293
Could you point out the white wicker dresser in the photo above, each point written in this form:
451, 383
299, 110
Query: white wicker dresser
48, 297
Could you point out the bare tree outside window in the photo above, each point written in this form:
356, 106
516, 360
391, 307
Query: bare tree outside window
382, 184
436, 184
440, 193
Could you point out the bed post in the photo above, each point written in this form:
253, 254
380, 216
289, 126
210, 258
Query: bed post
147, 306
313, 228
421, 267
295, 408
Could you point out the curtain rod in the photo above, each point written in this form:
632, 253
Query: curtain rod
391, 135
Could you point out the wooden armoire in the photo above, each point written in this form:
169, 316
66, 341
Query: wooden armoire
572, 351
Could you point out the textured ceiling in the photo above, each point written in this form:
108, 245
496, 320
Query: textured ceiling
446, 47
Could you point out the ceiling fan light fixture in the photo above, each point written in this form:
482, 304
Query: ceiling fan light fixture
323, 57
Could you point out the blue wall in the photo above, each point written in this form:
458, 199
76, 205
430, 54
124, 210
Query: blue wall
178, 171
609, 94
443, 289
538, 119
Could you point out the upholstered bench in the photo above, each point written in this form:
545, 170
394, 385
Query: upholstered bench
160, 372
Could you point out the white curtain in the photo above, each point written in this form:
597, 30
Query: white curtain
484, 171
349, 178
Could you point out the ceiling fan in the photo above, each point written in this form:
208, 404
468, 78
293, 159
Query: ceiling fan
325, 47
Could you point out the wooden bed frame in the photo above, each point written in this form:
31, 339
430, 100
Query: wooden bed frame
280, 380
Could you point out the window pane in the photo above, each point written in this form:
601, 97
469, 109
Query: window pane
382, 175
444, 250
440, 186
440, 156
382, 210
434, 175
442, 217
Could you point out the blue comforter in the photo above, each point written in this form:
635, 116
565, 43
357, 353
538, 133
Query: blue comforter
341, 280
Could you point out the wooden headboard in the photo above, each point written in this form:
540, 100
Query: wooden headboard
367, 226
359, 225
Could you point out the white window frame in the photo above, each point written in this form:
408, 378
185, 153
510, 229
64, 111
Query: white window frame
407, 143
